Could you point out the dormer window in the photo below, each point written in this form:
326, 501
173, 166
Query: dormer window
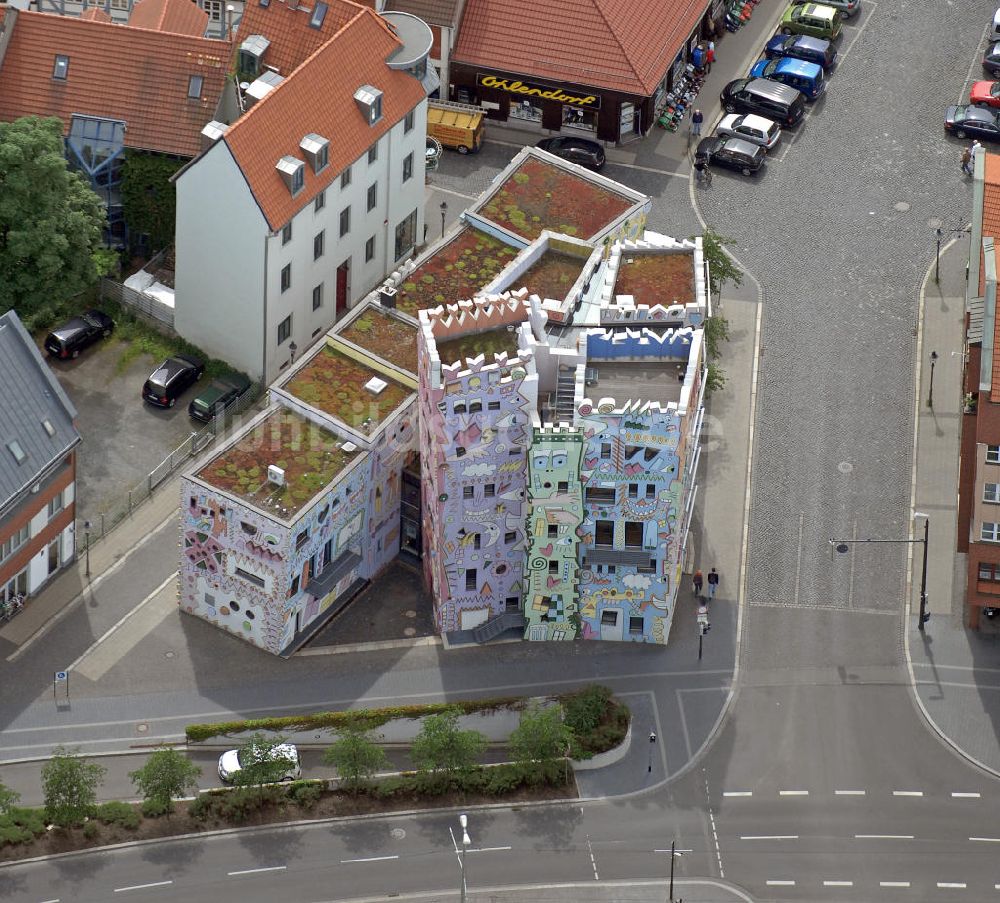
293, 171
369, 101
61, 68
252, 53
318, 15
317, 151
194, 86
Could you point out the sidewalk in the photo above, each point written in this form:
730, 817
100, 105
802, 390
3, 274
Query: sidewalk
954, 669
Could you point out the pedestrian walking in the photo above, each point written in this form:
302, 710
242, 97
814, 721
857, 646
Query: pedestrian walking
713, 583
710, 56
967, 161
696, 120
697, 581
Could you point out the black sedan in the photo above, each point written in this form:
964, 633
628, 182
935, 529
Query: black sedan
219, 395
168, 381
977, 122
76, 334
577, 150
991, 59
732, 152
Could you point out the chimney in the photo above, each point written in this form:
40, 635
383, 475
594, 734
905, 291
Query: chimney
387, 296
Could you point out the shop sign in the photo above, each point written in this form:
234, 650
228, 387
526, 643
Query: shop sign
536, 89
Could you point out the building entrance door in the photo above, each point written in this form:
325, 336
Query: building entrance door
343, 271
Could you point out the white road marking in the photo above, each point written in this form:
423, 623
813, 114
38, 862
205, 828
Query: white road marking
955, 885
894, 884
488, 849
272, 868
883, 836
986, 839
56, 900
838, 884
593, 861
793, 793
780, 883
121, 890
769, 837
966, 796
907, 793
849, 792
737, 793
711, 815
369, 859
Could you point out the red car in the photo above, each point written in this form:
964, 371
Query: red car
985, 94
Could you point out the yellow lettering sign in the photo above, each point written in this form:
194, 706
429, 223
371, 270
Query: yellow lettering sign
545, 93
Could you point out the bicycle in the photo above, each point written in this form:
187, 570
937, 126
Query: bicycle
11, 607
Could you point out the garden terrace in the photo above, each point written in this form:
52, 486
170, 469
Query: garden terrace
310, 456
455, 271
552, 275
495, 341
652, 277
539, 196
335, 384
385, 336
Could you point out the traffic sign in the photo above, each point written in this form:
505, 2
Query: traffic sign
62, 675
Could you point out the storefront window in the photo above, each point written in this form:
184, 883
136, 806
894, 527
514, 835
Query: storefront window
526, 110
575, 118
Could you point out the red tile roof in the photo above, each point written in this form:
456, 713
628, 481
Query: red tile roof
618, 45
433, 12
115, 72
991, 227
287, 27
96, 14
175, 16
318, 97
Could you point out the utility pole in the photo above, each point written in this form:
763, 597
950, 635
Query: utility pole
703, 626
652, 743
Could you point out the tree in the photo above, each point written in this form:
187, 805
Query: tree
166, 775
69, 787
541, 738
261, 761
442, 749
357, 756
721, 268
8, 799
51, 222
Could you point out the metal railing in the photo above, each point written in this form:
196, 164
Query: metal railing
110, 515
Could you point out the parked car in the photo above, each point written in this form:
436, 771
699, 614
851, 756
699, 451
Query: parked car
216, 397
577, 150
798, 74
802, 47
814, 19
168, 381
991, 59
985, 94
734, 153
78, 333
765, 98
231, 763
847, 8
978, 122
995, 27
750, 127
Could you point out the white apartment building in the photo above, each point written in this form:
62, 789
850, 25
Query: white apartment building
303, 205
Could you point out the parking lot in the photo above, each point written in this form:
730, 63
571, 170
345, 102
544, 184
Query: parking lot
123, 437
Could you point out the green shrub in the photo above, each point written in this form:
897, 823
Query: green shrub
155, 808
584, 711
118, 813
21, 825
306, 793
389, 787
501, 780
203, 807
90, 830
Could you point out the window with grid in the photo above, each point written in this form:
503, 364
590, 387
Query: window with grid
286, 277
993, 454
552, 531
991, 492
633, 534
318, 244
635, 626
286, 234
509, 537
55, 505
372, 195
471, 576
373, 153
468, 492
604, 533
60, 69
490, 490
284, 329
989, 572
990, 533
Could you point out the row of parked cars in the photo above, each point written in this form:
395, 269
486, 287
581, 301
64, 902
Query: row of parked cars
774, 95
166, 383
980, 117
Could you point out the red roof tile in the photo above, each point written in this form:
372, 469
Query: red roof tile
292, 38
95, 14
991, 227
618, 45
115, 72
174, 16
319, 97
433, 12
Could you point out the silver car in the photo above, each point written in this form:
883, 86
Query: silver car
848, 7
750, 127
230, 763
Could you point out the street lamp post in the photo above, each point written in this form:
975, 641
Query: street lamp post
444, 212
673, 856
652, 743
292, 348
843, 545
86, 535
939, 233
463, 820
930, 391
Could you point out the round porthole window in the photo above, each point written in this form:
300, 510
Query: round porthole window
234, 606
250, 615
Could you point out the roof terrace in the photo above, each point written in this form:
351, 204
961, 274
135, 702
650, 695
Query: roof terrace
493, 341
310, 456
660, 381
656, 277
346, 389
388, 337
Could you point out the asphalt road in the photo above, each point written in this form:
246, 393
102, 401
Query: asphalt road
824, 783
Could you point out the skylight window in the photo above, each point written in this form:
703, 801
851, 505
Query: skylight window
61, 68
48, 427
318, 15
194, 86
15, 449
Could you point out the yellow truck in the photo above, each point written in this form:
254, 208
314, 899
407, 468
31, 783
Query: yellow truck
456, 125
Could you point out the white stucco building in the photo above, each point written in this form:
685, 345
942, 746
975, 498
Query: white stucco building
303, 205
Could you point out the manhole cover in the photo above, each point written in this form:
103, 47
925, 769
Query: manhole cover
169, 653
397, 833
410, 613
902, 206
142, 728
409, 631
845, 467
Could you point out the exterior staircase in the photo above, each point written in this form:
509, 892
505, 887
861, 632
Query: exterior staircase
565, 390
508, 620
